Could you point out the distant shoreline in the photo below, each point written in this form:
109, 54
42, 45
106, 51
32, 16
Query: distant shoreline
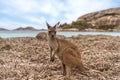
67, 30
60, 29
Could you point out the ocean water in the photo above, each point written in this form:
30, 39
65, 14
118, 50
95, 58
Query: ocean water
9, 34
69, 34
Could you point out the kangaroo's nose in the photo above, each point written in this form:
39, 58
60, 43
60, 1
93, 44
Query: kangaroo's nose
52, 35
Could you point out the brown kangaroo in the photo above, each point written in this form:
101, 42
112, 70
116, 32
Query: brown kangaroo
66, 51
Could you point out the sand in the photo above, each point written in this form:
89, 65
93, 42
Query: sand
27, 58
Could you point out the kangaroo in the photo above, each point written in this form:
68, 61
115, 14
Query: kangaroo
66, 51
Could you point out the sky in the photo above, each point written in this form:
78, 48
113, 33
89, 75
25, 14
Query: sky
22, 13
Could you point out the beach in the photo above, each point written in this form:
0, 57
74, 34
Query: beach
27, 58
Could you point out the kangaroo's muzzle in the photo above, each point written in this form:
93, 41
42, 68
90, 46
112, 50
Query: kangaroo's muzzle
52, 35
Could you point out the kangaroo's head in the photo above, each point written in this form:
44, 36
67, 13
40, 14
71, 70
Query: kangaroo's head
52, 30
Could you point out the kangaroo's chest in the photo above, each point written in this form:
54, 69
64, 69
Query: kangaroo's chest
53, 45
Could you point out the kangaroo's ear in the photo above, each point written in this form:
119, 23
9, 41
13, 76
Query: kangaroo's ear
56, 24
48, 25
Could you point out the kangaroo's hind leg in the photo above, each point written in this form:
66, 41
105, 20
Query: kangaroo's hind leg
68, 72
63, 69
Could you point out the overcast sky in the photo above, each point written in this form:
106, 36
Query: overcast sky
22, 13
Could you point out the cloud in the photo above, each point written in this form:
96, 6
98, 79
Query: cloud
37, 20
36, 12
22, 6
50, 7
77, 8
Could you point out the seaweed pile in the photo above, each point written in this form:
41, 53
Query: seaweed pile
27, 58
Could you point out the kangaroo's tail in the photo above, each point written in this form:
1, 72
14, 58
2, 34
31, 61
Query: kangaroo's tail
103, 75
83, 70
90, 72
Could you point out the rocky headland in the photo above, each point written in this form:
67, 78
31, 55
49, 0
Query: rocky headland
3, 29
27, 58
26, 28
104, 20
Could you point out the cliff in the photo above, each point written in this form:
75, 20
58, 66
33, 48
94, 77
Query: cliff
105, 19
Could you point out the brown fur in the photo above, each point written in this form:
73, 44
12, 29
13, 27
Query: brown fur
66, 51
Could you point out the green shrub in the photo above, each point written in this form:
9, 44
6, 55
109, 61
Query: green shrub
106, 27
78, 24
66, 27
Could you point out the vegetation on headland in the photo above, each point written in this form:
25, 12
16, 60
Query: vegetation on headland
79, 25
106, 27
82, 25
